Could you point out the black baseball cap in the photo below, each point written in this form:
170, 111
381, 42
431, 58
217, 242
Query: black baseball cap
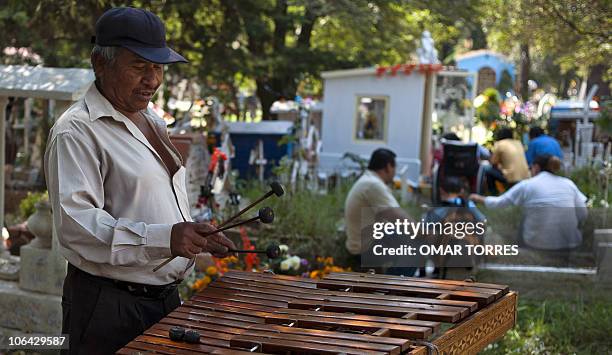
138, 30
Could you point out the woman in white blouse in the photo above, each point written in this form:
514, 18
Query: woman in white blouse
553, 207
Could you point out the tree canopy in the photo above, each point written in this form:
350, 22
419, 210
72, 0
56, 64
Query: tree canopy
274, 46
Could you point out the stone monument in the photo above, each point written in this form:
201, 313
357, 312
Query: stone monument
9, 264
33, 303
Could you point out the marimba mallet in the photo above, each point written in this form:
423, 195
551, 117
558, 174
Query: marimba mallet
275, 189
179, 334
176, 333
265, 215
272, 251
192, 336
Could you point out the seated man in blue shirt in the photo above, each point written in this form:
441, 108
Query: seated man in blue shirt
540, 144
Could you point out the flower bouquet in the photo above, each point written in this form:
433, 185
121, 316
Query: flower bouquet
287, 264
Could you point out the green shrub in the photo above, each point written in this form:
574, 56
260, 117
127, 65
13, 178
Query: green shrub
305, 220
605, 118
27, 206
592, 181
489, 112
558, 327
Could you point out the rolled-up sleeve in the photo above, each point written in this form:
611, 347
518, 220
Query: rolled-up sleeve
76, 191
512, 197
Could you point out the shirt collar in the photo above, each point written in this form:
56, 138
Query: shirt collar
98, 105
375, 175
545, 173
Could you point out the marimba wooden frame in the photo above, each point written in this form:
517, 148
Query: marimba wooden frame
347, 313
478, 330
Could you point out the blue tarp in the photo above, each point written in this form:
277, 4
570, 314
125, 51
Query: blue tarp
245, 135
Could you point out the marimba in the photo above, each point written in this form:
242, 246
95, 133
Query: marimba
343, 313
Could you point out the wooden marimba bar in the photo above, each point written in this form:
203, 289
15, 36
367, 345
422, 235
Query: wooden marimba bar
344, 313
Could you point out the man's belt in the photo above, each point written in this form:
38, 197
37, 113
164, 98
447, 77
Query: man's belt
135, 289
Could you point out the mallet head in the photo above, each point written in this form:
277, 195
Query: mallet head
176, 333
192, 336
266, 215
277, 188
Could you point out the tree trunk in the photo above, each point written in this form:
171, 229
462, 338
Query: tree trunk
596, 76
281, 25
266, 98
565, 84
525, 67
283, 81
271, 89
445, 51
234, 92
479, 38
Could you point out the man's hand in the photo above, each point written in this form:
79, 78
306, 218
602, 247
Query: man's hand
477, 198
186, 240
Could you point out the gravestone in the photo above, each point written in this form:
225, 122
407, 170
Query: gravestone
33, 303
9, 265
42, 270
602, 248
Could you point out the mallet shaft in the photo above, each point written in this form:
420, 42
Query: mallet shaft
240, 213
209, 234
244, 210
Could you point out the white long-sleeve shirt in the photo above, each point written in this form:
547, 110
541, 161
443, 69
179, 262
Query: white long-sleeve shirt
114, 202
368, 194
553, 207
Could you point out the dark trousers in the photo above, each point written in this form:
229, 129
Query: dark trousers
493, 174
101, 318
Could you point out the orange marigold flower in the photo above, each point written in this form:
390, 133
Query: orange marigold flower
397, 184
198, 285
211, 270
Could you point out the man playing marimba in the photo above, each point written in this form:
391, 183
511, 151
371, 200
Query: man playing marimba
117, 188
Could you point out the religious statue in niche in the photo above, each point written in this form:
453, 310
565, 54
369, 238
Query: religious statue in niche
427, 52
371, 118
371, 126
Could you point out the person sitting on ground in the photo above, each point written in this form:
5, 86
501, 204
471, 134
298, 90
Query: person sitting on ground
553, 206
370, 193
452, 192
509, 165
454, 208
540, 143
